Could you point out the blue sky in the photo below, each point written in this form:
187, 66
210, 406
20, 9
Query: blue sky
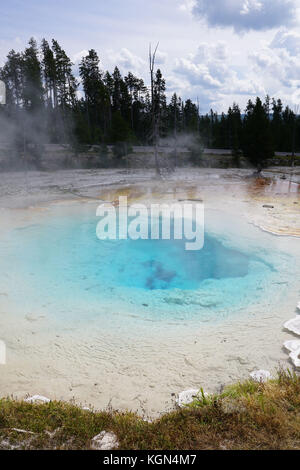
217, 50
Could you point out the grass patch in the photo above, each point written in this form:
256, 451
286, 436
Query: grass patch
247, 415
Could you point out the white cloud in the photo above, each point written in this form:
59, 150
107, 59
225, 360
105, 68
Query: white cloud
287, 40
245, 15
210, 74
76, 58
187, 6
279, 64
127, 61
251, 5
197, 74
6, 45
222, 67
161, 57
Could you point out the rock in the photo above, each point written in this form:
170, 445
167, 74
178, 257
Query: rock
268, 206
37, 399
105, 441
298, 306
295, 358
187, 397
293, 325
261, 375
292, 345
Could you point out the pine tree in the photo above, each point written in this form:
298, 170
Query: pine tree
276, 124
32, 77
174, 122
12, 75
65, 93
235, 130
257, 138
66, 84
288, 127
136, 90
116, 90
49, 74
190, 116
97, 98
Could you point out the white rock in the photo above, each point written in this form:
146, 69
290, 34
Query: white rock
105, 441
295, 357
261, 375
293, 325
292, 345
187, 397
37, 399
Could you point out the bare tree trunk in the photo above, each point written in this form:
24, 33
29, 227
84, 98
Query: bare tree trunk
126, 157
175, 135
294, 142
155, 116
156, 139
198, 117
296, 111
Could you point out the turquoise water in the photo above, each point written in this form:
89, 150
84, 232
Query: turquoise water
58, 263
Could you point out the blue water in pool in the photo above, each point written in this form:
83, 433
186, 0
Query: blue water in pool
60, 261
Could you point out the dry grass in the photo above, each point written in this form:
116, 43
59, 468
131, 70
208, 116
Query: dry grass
246, 416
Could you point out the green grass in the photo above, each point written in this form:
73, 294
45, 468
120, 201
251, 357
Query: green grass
247, 415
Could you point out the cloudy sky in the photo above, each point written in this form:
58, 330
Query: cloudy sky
217, 50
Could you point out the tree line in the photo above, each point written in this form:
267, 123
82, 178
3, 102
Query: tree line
46, 103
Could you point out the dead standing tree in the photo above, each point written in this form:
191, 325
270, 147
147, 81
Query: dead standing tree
155, 109
295, 116
175, 134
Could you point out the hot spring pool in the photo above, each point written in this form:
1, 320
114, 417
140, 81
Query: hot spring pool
58, 263
129, 323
